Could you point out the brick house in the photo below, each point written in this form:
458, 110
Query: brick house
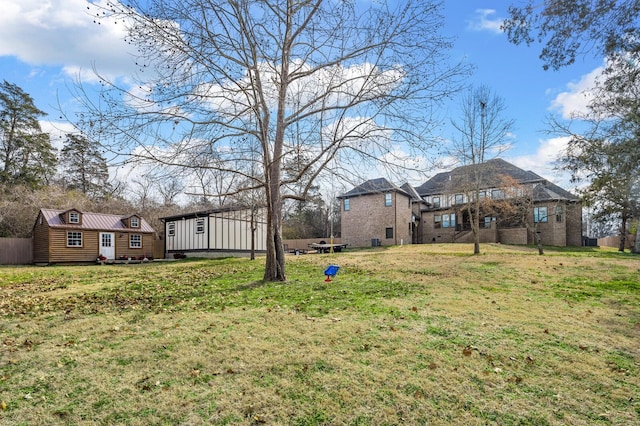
438, 210
378, 213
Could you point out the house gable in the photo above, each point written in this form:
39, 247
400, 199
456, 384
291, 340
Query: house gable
133, 221
71, 217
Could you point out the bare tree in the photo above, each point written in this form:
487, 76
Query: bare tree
219, 77
482, 135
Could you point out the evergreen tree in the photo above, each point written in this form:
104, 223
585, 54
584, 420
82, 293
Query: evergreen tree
85, 168
26, 154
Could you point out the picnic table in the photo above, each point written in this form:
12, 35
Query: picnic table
324, 247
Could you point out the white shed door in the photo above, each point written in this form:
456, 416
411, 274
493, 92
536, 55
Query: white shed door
107, 245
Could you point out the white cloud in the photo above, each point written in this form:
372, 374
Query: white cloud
544, 159
64, 33
57, 131
485, 20
576, 98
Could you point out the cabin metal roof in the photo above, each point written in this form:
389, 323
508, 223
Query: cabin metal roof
94, 221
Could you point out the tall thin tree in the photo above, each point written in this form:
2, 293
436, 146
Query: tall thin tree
220, 77
483, 133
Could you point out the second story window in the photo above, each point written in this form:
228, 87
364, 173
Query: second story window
387, 199
135, 222
436, 202
558, 213
347, 204
459, 199
74, 217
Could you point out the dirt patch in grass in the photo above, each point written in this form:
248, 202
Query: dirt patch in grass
413, 334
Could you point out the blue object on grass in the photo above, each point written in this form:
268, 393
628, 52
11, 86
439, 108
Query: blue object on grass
331, 271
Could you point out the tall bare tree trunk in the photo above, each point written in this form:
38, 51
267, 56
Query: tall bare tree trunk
623, 235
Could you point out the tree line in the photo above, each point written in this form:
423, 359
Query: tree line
34, 174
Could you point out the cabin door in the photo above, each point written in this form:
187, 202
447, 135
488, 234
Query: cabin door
108, 245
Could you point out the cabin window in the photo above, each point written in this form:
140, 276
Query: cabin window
387, 200
135, 222
74, 239
388, 232
135, 241
199, 226
74, 217
171, 229
347, 204
539, 215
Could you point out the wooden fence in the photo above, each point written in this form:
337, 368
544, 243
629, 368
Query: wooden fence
614, 241
16, 251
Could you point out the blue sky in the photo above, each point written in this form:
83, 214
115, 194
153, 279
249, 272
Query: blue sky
45, 44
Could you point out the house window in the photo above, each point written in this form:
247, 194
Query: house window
347, 204
437, 221
135, 241
199, 226
497, 194
459, 199
436, 202
388, 232
559, 213
449, 220
482, 194
74, 217
488, 220
171, 229
539, 214
74, 239
135, 222
387, 199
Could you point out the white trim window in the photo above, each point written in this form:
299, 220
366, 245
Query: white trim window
74, 217
388, 200
135, 241
74, 239
135, 222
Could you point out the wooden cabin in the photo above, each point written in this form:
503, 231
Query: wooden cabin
73, 236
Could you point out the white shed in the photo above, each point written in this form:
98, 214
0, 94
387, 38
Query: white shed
215, 232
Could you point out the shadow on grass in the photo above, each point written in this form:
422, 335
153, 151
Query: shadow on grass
250, 286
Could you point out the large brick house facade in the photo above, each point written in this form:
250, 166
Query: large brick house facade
379, 212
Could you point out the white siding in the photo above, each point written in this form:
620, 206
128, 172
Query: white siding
226, 230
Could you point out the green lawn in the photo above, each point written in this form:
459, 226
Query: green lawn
423, 334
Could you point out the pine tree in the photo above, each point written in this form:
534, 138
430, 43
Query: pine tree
26, 154
85, 168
